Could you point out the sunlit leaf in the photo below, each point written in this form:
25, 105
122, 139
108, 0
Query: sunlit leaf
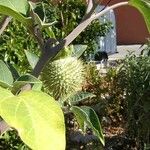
78, 50
38, 119
17, 9
4, 94
78, 97
87, 115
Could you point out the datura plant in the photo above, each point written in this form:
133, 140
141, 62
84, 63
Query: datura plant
37, 116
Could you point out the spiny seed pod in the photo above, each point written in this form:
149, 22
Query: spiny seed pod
63, 77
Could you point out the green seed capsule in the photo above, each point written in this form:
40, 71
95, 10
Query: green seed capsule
63, 77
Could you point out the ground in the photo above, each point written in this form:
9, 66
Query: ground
123, 50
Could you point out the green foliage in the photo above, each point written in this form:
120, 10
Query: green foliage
146, 50
63, 77
87, 116
17, 9
38, 12
78, 97
36, 116
5, 93
78, 50
65, 52
116, 103
123, 93
11, 141
135, 79
13, 43
93, 79
109, 96
68, 15
71, 50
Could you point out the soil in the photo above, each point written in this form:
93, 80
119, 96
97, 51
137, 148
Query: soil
116, 138
79, 141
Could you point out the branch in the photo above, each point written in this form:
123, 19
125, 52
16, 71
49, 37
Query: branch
108, 9
90, 6
36, 32
106, 5
77, 31
90, 9
86, 22
38, 35
4, 23
52, 51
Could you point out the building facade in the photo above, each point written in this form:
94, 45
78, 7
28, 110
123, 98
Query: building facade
130, 25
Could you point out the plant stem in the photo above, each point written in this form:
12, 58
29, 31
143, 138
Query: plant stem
52, 51
90, 9
4, 23
86, 22
107, 9
3, 126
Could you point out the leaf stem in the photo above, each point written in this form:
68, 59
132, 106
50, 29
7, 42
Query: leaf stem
4, 23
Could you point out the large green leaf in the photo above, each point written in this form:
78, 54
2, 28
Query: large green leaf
38, 119
144, 7
4, 94
6, 78
17, 9
26, 79
86, 115
16, 5
78, 97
